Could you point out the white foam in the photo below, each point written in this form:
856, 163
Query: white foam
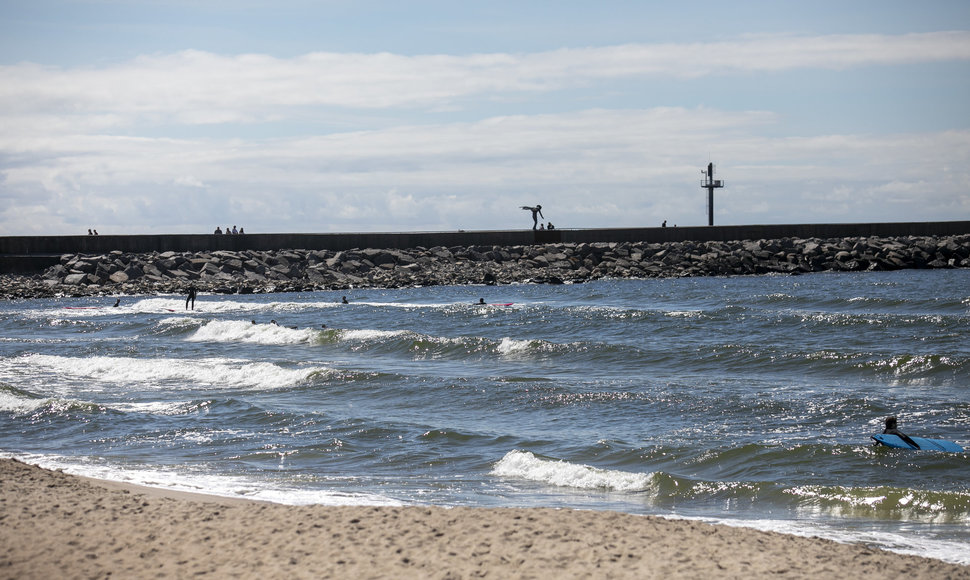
510, 346
237, 487
913, 544
366, 335
95, 372
176, 304
20, 405
154, 407
525, 465
684, 313
243, 331
180, 321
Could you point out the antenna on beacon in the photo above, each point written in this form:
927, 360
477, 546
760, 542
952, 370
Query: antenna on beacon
710, 183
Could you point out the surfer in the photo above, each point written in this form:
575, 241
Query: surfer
481, 301
892, 430
190, 298
537, 210
117, 303
344, 301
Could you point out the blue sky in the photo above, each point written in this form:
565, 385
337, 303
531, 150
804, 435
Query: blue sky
175, 116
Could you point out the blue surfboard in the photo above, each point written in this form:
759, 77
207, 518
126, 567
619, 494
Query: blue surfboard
924, 443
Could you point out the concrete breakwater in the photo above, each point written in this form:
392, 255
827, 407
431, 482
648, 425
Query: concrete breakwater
252, 271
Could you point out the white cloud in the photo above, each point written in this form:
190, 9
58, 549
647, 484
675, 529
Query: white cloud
592, 168
194, 87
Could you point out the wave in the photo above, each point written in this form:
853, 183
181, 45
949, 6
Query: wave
94, 372
250, 332
20, 402
884, 503
525, 465
662, 489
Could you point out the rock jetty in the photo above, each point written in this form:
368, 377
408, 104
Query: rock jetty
247, 272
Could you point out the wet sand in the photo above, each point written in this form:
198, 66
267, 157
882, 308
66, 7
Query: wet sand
54, 525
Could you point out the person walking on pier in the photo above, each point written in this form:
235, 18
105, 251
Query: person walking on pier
536, 211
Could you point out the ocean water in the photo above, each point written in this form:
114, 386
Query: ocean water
741, 400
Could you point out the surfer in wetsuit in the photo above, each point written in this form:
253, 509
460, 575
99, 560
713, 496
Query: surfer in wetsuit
190, 298
892, 430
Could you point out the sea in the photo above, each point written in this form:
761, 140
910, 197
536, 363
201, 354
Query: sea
747, 401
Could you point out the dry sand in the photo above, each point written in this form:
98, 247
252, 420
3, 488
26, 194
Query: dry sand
54, 525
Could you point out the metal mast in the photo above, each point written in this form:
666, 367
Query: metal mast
710, 183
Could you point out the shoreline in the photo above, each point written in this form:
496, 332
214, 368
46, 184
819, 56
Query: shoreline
60, 525
247, 272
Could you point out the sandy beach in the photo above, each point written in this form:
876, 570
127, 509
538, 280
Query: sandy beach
56, 525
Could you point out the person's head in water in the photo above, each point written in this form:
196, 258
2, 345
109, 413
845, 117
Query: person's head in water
890, 422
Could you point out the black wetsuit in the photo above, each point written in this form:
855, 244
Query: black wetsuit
190, 297
902, 436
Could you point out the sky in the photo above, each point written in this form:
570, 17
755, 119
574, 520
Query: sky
177, 116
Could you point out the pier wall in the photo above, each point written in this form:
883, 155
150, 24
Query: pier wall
25, 254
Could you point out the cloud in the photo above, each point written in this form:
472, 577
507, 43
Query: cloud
594, 168
199, 88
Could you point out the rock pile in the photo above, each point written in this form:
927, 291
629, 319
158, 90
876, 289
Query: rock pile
307, 270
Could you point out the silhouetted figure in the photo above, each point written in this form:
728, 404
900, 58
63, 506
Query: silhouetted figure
536, 211
549, 226
345, 300
242, 230
892, 430
218, 231
190, 298
117, 303
90, 233
234, 230
481, 301
96, 233
663, 225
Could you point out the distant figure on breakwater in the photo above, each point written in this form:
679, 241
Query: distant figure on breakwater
241, 230
90, 233
218, 231
190, 297
663, 225
234, 230
537, 210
